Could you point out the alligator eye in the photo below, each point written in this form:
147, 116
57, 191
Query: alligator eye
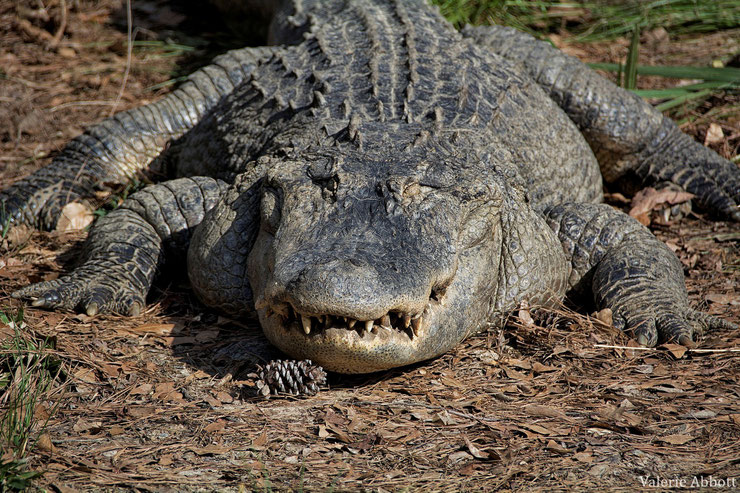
271, 209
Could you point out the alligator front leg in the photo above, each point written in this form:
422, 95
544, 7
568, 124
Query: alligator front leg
625, 132
126, 248
115, 150
629, 271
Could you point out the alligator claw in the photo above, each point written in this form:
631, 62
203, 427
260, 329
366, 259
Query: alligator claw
670, 325
92, 309
88, 291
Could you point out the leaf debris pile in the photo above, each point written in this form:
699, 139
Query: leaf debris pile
166, 400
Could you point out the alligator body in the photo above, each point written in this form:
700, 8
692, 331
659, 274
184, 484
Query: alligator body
376, 186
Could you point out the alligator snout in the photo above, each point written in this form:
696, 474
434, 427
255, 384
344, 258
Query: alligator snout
351, 288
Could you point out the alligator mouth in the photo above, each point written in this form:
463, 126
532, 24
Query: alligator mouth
392, 324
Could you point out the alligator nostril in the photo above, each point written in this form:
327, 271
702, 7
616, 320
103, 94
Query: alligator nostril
438, 293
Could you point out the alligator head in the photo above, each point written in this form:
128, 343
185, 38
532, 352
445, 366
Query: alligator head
361, 263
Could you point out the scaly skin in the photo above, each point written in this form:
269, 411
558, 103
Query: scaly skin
381, 188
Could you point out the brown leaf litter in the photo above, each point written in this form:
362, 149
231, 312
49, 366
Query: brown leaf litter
163, 401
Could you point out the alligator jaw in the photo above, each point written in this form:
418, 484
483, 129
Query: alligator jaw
402, 326
347, 345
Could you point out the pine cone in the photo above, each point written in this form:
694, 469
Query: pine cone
290, 377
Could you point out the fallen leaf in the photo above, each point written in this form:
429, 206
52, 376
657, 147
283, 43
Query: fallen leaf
155, 329
323, 433
86, 375
545, 411
475, 451
44, 443
676, 439
586, 457
553, 446
115, 430
605, 316
715, 135
526, 318
540, 368
676, 350
537, 428
215, 426
649, 199
724, 299
261, 440
211, 449
75, 216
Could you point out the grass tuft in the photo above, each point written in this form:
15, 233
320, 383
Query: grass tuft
27, 375
596, 20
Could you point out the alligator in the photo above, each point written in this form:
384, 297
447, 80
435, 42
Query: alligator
376, 186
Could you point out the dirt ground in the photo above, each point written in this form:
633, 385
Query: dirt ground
164, 401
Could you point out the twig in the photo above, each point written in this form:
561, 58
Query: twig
62, 25
692, 350
129, 51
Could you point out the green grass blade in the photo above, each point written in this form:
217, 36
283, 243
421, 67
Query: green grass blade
630, 69
724, 74
674, 92
683, 99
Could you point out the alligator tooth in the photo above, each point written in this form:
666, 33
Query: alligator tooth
406, 320
306, 321
351, 323
385, 321
369, 325
416, 326
328, 319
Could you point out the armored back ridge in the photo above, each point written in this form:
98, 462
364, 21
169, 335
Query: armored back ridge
376, 186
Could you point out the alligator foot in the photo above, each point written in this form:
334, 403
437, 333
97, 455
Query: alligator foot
90, 289
121, 256
650, 324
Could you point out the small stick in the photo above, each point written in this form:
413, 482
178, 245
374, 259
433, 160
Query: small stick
727, 350
62, 25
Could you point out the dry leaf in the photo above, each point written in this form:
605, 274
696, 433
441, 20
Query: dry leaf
211, 449
224, 397
475, 451
676, 350
215, 426
586, 457
526, 318
605, 316
323, 433
44, 443
75, 216
724, 299
86, 375
649, 199
261, 440
553, 446
155, 329
540, 368
676, 439
115, 430
545, 411
715, 135
537, 429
